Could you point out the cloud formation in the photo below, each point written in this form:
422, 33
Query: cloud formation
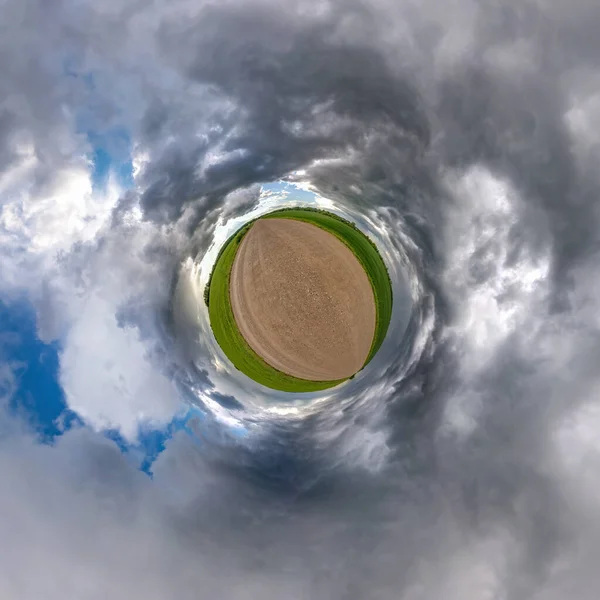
467, 132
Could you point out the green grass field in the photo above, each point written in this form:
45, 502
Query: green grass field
221, 314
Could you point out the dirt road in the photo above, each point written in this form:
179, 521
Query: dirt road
302, 300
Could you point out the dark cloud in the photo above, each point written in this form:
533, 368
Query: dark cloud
299, 97
461, 465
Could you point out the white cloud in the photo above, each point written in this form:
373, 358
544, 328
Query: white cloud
109, 376
52, 250
494, 295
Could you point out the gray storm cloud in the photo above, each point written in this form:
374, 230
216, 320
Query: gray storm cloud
467, 133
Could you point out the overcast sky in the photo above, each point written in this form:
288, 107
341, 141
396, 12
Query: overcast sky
465, 464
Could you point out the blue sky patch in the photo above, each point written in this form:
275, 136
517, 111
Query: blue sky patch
38, 397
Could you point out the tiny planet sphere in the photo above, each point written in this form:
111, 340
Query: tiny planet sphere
302, 300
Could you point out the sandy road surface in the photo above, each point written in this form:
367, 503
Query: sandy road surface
302, 300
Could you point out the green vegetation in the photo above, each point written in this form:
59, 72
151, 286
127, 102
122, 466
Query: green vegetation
231, 340
216, 296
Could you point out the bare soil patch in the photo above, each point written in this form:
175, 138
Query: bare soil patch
302, 300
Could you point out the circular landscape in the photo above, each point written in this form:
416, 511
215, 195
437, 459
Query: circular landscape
299, 300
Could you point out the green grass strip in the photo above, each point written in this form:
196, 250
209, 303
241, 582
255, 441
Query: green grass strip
231, 340
223, 323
